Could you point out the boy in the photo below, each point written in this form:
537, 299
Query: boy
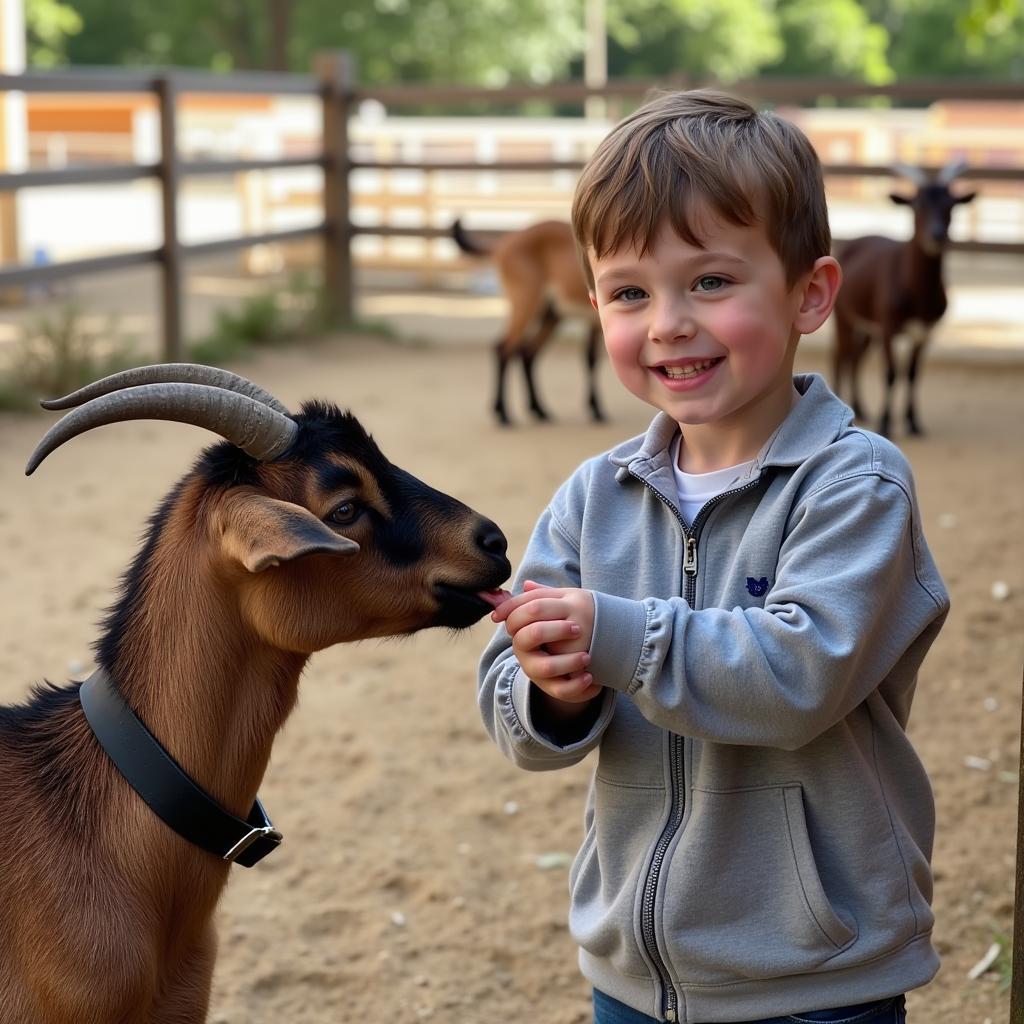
732, 609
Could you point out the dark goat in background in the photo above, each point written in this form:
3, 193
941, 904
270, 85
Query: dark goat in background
891, 288
295, 535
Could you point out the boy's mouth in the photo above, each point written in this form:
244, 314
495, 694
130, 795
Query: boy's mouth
686, 371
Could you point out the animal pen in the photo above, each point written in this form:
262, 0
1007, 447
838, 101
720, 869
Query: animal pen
334, 84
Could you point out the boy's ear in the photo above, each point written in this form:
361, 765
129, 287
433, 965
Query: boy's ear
261, 532
593, 299
819, 294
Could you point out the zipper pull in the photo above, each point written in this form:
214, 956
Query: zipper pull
690, 561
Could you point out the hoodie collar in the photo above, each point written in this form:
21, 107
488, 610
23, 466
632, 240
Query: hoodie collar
814, 422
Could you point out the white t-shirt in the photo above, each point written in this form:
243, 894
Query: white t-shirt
696, 489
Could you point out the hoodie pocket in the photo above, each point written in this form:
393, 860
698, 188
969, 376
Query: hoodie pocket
742, 894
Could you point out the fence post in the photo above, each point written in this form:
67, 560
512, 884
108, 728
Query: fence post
171, 261
336, 70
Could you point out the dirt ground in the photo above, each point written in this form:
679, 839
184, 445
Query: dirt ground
423, 877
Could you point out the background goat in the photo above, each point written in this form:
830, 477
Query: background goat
295, 535
891, 287
543, 282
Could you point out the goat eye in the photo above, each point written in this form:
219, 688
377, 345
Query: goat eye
347, 512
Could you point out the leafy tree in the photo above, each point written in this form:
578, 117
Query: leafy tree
722, 39
49, 24
834, 38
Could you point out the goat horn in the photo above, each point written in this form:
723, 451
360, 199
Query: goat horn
258, 430
952, 170
167, 373
911, 173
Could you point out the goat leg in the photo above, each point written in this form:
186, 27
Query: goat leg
913, 426
885, 420
593, 352
531, 346
501, 364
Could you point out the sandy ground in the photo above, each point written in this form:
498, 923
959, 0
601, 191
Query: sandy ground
423, 877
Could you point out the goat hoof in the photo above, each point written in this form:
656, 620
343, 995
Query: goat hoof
541, 415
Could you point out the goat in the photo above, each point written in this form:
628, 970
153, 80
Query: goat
892, 287
543, 282
294, 534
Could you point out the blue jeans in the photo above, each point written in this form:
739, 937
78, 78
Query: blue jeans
883, 1011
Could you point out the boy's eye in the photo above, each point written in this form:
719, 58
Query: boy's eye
630, 294
710, 283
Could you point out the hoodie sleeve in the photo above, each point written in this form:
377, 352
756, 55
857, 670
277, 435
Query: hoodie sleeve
506, 696
856, 600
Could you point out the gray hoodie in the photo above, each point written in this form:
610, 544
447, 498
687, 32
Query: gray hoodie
758, 829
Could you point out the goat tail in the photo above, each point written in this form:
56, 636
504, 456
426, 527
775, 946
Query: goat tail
467, 244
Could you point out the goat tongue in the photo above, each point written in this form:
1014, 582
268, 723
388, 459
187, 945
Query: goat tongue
494, 597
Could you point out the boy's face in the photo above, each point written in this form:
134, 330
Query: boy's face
708, 334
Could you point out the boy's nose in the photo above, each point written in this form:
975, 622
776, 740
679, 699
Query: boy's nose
671, 323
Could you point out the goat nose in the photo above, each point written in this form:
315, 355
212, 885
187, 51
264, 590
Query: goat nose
491, 539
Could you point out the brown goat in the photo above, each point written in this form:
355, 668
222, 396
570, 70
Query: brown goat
543, 281
891, 288
295, 535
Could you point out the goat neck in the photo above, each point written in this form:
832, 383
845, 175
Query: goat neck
208, 687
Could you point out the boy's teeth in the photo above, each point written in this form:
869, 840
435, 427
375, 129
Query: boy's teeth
681, 372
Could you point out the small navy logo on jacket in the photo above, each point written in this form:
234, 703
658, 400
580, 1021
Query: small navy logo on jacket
757, 588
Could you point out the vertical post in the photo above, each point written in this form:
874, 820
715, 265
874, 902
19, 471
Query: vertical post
336, 70
595, 59
171, 255
1017, 989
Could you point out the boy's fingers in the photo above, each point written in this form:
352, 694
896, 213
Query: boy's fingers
553, 667
551, 631
513, 604
542, 610
577, 689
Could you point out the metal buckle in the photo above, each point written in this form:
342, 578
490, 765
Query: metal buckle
243, 844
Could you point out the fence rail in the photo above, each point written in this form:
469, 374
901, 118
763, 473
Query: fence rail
334, 85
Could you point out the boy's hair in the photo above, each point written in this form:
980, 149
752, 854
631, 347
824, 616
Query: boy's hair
684, 150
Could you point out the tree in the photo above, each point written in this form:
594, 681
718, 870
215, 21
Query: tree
722, 39
834, 38
49, 25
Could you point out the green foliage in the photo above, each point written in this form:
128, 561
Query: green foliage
495, 41
957, 37
832, 39
724, 39
57, 353
280, 316
48, 26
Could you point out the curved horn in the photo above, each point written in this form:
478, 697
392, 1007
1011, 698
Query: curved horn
911, 173
257, 429
167, 373
952, 170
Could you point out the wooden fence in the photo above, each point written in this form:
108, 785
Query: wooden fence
334, 82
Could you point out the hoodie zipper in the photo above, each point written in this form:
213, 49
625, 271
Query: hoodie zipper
677, 803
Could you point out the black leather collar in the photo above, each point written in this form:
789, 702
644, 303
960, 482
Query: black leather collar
165, 787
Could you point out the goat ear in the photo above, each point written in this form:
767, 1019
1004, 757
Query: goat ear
901, 200
262, 532
965, 198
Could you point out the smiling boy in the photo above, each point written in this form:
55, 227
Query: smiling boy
731, 608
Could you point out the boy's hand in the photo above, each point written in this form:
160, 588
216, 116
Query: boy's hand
551, 630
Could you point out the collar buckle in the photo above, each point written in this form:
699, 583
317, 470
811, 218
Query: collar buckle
267, 832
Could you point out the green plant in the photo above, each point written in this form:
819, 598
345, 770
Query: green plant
58, 352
